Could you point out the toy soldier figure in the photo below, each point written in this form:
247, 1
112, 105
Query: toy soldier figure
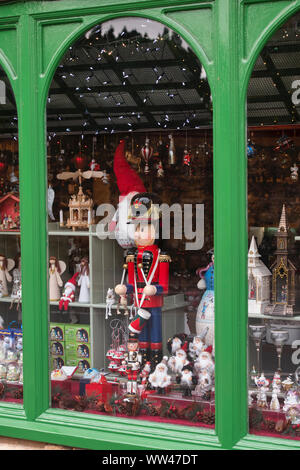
133, 361
148, 277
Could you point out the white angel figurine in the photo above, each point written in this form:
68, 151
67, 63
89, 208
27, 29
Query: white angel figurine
6, 265
56, 269
84, 281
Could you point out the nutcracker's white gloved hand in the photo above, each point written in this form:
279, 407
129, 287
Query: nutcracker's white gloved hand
120, 289
149, 290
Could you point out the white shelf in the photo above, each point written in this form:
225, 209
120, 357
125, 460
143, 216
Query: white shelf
273, 318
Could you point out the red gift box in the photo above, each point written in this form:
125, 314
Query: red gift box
102, 389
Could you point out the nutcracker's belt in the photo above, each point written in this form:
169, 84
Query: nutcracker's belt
141, 285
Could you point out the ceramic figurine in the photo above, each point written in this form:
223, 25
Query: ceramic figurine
83, 281
274, 405
171, 153
276, 382
290, 400
259, 281
6, 265
56, 269
148, 277
160, 379
206, 310
262, 384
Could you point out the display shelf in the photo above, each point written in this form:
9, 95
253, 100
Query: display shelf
273, 318
11, 232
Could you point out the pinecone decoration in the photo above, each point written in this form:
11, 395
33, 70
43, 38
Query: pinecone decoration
152, 411
17, 393
270, 425
208, 417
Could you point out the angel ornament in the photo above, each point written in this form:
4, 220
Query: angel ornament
84, 281
56, 269
6, 265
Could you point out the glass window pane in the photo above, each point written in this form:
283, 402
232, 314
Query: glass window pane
273, 258
131, 268
11, 350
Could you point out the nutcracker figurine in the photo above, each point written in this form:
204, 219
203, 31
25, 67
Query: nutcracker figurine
133, 361
148, 277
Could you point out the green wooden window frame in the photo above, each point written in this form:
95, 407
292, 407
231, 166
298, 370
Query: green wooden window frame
227, 36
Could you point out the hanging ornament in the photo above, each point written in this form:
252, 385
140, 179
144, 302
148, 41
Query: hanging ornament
171, 154
294, 172
80, 159
160, 170
146, 152
251, 149
284, 143
187, 160
94, 166
3, 164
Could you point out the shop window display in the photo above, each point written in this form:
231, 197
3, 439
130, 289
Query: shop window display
130, 224
11, 344
273, 258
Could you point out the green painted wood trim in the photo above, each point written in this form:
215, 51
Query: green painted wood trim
228, 72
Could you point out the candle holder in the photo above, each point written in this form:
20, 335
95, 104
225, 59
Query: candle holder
257, 333
279, 338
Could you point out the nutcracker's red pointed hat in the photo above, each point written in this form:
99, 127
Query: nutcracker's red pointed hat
127, 179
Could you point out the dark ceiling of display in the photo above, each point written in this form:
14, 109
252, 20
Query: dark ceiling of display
133, 83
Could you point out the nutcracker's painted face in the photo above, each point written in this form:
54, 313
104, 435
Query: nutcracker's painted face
132, 346
144, 234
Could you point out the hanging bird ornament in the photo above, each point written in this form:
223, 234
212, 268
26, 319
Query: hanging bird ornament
147, 152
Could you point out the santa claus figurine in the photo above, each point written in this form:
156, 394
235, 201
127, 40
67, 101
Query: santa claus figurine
196, 346
205, 362
177, 362
205, 384
187, 380
68, 295
178, 341
160, 379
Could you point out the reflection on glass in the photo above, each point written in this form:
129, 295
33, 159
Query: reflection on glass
11, 335
274, 253
131, 261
